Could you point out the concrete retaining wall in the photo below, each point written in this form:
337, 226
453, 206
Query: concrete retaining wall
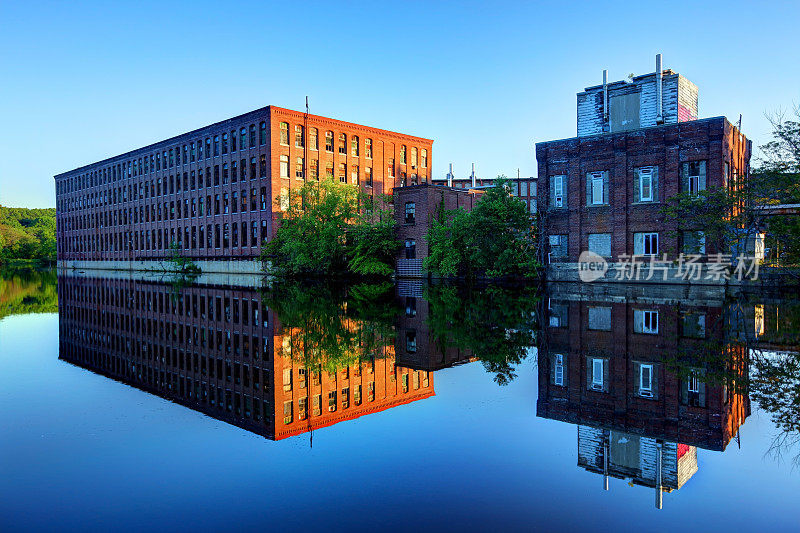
220, 266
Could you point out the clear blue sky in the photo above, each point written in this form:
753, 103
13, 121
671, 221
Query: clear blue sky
84, 81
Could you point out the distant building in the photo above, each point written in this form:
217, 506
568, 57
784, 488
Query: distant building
522, 187
218, 192
639, 142
415, 207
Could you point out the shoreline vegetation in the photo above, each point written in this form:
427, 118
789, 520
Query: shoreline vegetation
27, 236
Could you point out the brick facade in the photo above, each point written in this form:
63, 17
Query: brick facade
715, 141
216, 191
425, 200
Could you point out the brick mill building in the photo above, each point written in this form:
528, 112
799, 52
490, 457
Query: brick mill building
217, 192
221, 351
639, 143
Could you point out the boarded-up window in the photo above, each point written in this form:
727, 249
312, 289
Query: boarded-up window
600, 243
558, 315
624, 112
600, 318
558, 245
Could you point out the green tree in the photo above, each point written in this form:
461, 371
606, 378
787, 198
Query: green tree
496, 239
332, 229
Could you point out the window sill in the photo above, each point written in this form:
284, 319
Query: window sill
647, 202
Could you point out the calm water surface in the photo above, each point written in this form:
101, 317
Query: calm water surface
452, 409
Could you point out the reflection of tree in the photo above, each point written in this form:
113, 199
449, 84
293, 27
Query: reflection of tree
749, 357
25, 291
329, 327
495, 323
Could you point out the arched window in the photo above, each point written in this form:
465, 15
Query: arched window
413, 157
403, 154
424, 157
329, 141
368, 148
343, 144
313, 143
298, 136
354, 145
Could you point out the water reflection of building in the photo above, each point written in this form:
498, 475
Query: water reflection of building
220, 351
415, 347
634, 371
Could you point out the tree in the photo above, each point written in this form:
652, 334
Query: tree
495, 240
332, 229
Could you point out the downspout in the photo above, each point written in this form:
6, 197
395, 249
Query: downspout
659, 489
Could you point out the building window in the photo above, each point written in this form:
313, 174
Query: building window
646, 184
242, 139
262, 133
403, 154
329, 169
390, 168
342, 172
693, 389
600, 243
287, 377
298, 136
558, 192
558, 245
645, 385
411, 209
298, 169
313, 169
693, 325
262, 166
645, 321
597, 188
597, 374
332, 401
411, 249
224, 143
343, 144
693, 177
368, 148
354, 145
645, 243
329, 141
252, 135
287, 412
411, 344
424, 157
693, 242
354, 174
557, 370
216, 149
368, 176
284, 166
313, 142
413, 157
600, 318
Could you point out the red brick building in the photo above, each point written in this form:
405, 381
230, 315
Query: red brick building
216, 191
635, 374
638, 143
414, 209
221, 351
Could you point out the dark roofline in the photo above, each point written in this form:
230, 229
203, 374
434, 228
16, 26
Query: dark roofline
646, 128
667, 72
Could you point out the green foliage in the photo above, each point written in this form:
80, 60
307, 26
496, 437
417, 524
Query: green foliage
711, 211
494, 240
328, 327
27, 234
495, 324
180, 263
331, 229
24, 291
